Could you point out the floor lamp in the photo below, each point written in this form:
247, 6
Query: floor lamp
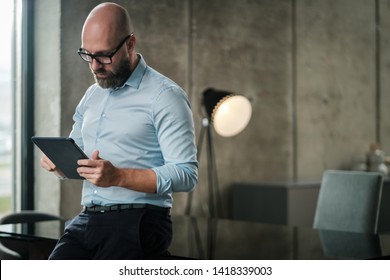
229, 114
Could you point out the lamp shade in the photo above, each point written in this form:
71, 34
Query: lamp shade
229, 113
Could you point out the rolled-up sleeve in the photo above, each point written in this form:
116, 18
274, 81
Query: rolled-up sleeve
175, 130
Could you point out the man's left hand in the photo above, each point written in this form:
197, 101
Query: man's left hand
98, 171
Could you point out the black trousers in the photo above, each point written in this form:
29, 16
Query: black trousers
116, 235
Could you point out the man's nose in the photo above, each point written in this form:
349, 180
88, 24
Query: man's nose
95, 65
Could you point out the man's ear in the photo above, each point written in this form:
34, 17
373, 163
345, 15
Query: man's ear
131, 44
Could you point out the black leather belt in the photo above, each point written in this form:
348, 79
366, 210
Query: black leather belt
120, 207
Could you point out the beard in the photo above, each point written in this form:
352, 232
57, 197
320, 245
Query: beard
113, 79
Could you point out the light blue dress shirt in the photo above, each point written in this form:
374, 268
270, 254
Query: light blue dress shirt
145, 124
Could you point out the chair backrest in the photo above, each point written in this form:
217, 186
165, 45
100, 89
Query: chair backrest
349, 201
28, 216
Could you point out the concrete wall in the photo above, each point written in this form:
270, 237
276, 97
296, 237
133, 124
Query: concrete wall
316, 72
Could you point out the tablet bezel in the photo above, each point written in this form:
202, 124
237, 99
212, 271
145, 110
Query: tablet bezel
63, 152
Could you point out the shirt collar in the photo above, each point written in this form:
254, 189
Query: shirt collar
136, 77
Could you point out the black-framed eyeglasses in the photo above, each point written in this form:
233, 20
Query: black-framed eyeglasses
101, 57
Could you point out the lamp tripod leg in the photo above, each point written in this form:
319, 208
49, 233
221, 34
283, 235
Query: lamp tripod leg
214, 197
199, 150
194, 223
214, 205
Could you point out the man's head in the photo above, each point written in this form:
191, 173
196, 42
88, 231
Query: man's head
108, 44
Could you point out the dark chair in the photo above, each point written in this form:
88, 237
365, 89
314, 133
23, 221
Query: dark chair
28, 216
347, 213
15, 249
8, 254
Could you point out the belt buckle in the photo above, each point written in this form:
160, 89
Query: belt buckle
99, 208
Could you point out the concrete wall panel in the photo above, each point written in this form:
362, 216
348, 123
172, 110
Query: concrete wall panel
336, 113
245, 47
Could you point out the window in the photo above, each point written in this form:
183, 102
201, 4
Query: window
6, 106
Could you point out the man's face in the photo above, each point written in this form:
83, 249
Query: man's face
110, 67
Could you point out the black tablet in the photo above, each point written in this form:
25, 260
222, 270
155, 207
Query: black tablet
63, 152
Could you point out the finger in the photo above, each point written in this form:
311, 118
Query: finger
86, 170
90, 162
84, 162
47, 164
95, 155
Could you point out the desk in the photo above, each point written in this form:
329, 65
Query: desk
30, 247
240, 240
290, 203
286, 203
236, 240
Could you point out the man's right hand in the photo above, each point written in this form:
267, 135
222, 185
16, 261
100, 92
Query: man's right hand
47, 164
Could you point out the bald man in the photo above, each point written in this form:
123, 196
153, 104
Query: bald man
136, 126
